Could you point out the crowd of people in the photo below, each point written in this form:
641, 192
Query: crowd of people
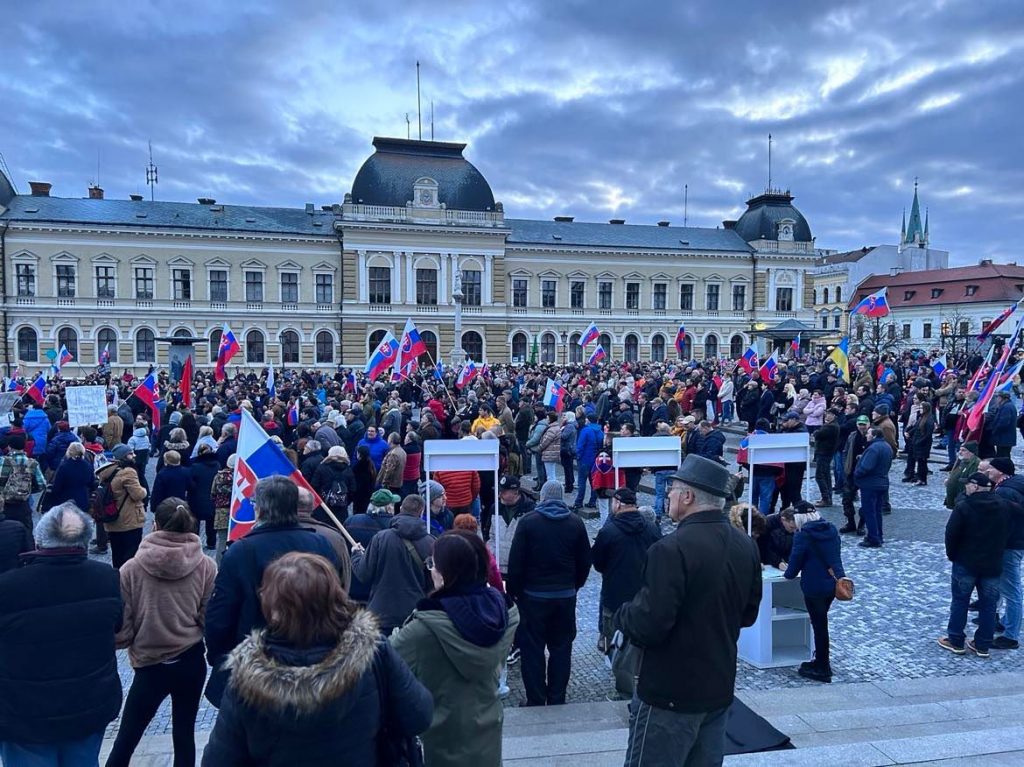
358, 621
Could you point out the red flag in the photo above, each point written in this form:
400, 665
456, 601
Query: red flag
186, 382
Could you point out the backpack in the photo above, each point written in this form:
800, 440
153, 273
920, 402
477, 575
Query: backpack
19, 482
103, 507
337, 497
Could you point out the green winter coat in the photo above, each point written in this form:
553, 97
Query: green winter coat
957, 479
463, 678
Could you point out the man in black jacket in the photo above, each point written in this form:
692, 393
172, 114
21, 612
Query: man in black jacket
826, 443
701, 585
548, 563
1010, 486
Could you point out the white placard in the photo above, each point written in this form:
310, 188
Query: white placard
786, 447
460, 455
646, 452
8, 400
87, 405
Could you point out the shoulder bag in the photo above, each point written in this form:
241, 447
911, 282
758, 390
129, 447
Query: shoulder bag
845, 587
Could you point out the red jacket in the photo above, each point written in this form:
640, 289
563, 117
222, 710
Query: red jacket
460, 487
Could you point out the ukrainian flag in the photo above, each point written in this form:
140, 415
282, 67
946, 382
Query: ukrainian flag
841, 356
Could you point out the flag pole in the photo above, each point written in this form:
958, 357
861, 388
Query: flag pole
337, 522
443, 384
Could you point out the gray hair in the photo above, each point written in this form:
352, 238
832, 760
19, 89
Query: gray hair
64, 526
802, 519
305, 505
276, 500
227, 430
704, 498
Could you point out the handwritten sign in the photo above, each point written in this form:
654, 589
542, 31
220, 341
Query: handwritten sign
87, 405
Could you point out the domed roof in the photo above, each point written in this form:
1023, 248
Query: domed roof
388, 176
764, 212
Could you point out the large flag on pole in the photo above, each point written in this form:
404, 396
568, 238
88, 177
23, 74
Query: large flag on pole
147, 392
590, 334
681, 340
841, 356
37, 391
554, 395
186, 382
994, 325
978, 411
874, 305
748, 362
1006, 381
769, 370
466, 375
597, 355
383, 356
228, 348
258, 458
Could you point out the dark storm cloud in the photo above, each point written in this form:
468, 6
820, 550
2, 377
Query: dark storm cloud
569, 107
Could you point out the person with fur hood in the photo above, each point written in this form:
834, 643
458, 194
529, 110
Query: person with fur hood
317, 684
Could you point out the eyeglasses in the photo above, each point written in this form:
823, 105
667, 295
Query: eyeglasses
429, 563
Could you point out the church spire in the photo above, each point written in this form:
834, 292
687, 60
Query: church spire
926, 226
914, 234
903, 228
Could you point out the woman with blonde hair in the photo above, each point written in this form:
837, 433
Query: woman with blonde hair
73, 480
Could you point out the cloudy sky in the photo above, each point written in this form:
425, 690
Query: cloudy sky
591, 109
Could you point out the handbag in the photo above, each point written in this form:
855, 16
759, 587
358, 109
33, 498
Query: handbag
626, 658
392, 750
845, 587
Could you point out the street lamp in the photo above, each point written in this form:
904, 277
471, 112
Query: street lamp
458, 354
565, 343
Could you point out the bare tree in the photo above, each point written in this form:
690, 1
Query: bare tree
958, 332
877, 336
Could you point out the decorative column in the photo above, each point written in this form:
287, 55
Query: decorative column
442, 299
410, 278
458, 355
362, 277
488, 280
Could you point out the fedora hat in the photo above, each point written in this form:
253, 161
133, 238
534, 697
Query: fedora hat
704, 474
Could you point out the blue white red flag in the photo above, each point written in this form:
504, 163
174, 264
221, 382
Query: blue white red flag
590, 334
37, 390
597, 355
147, 392
105, 356
994, 325
228, 348
939, 365
466, 374
1006, 380
64, 357
795, 345
554, 395
350, 381
271, 382
769, 369
978, 411
681, 340
874, 305
258, 458
439, 370
383, 356
293, 414
748, 362
412, 345
12, 383
485, 372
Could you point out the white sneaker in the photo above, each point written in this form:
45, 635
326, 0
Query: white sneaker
503, 691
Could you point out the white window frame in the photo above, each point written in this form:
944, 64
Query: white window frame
298, 285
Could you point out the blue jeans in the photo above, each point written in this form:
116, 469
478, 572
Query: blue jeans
727, 407
951, 450
1010, 591
658, 736
84, 752
661, 479
871, 511
763, 489
582, 478
838, 474
474, 508
962, 583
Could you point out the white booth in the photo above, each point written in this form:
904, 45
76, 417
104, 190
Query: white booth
642, 453
462, 455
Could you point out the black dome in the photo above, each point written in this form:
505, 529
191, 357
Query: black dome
388, 176
764, 212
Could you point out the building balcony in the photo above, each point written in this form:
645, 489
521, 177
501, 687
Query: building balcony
102, 302
426, 308
416, 215
66, 301
289, 307
380, 308
472, 309
254, 306
181, 305
26, 300
325, 307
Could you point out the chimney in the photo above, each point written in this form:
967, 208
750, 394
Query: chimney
729, 224
40, 188
985, 262
564, 219
663, 223
135, 197
616, 221
95, 192
207, 201
310, 207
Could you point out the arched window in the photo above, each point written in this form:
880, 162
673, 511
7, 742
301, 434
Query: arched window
711, 347
324, 348
575, 350
839, 293
289, 348
214, 344
687, 352
547, 348
254, 347
606, 343
519, 344
824, 294
106, 339
68, 337
429, 339
375, 339
145, 345
632, 348
28, 345
736, 346
182, 333
473, 345
658, 348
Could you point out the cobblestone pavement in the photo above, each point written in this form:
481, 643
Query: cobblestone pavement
887, 632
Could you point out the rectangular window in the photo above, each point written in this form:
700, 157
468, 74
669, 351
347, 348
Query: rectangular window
105, 282
254, 287
926, 330
604, 295
548, 289
144, 283
965, 328
783, 299
472, 287
739, 298
836, 319
519, 293
289, 288
380, 285
712, 304
686, 297
65, 281
426, 287
945, 329
26, 281
824, 322
891, 331
906, 331
576, 292
325, 288
182, 279
633, 296
660, 296
219, 285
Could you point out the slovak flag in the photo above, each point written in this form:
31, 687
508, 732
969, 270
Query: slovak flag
681, 340
748, 362
439, 371
258, 458
146, 391
350, 382
597, 355
1006, 382
105, 356
293, 414
939, 366
485, 372
466, 374
228, 348
795, 345
769, 369
554, 395
590, 334
64, 357
383, 356
12, 384
271, 382
412, 345
874, 305
978, 411
992, 326
37, 390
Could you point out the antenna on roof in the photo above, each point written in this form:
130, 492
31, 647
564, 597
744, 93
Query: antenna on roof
97, 166
431, 119
769, 162
151, 173
419, 108
408, 126
686, 203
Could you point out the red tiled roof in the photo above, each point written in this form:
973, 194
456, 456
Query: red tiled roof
993, 282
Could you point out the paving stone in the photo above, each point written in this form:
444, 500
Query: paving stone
847, 755
882, 716
565, 744
953, 745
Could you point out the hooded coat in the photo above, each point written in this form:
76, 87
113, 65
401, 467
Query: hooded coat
550, 554
165, 588
455, 644
171, 481
73, 482
200, 498
316, 707
816, 547
620, 553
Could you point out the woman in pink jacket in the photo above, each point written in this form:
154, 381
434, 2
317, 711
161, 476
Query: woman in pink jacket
814, 412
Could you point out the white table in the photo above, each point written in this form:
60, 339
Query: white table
781, 636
